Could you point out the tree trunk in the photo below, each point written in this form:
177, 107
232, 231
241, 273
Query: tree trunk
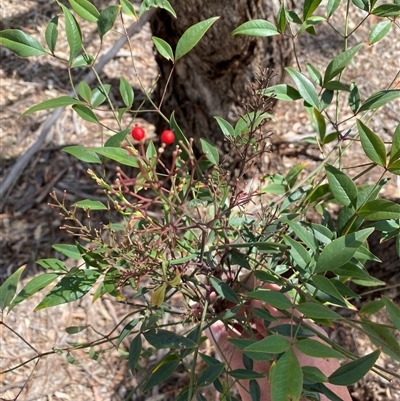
211, 80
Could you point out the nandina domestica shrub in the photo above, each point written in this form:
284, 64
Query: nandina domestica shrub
253, 274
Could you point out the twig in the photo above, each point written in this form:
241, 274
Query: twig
17, 169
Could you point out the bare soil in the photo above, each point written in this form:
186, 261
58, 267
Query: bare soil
29, 227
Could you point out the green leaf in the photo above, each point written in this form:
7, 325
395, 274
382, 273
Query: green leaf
336, 86
353, 371
380, 209
226, 127
126, 91
163, 48
70, 288
20, 43
286, 378
332, 7
395, 149
82, 153
371, 307
107, 19
162, 339
224, 290
146, 5
255, 390
85, 10
314, 374
387, 10
314, 310
135, 349
85, 113
354, 98
309, 7
379, 31
127, 330
119, 155
362, 4
379, 99
297, 251
90, 204
192, 36
282, 92
325, 285
83, 60
373, 146
281, 18
245, 374
315, 75
51, 33
210, 151
317, 349
343, 188
210, 374
128, 9
35, 285
305, 87
75, 329
74, 36
115, 141
273, 298
318, 123
339, 63
308, 25
61, 101
84, 91
52, 264
273, 344
393, 310
9, 288
162, 371
179, 135
257, 27
341, 250
70, 251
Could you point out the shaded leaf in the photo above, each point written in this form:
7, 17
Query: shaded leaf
224, 290
162, 371
90, 204
119, 155
162, 339
126, 91
127, 330
107, 19
210, 151
379, 99
273, 344
52, 264
70, 251
211, 373
135, 349
9, 288
314, 310
282, 92
70, 288
354, 98
393, 310
273, 298
353, 371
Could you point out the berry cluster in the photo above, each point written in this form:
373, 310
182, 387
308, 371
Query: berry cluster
167, 137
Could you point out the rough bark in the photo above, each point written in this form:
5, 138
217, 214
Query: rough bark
211, 79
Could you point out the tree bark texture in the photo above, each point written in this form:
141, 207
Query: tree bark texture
211, 79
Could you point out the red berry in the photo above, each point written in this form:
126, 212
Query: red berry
167, 137
138, 133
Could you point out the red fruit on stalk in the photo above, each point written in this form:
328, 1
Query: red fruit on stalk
167, 137
138, 133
